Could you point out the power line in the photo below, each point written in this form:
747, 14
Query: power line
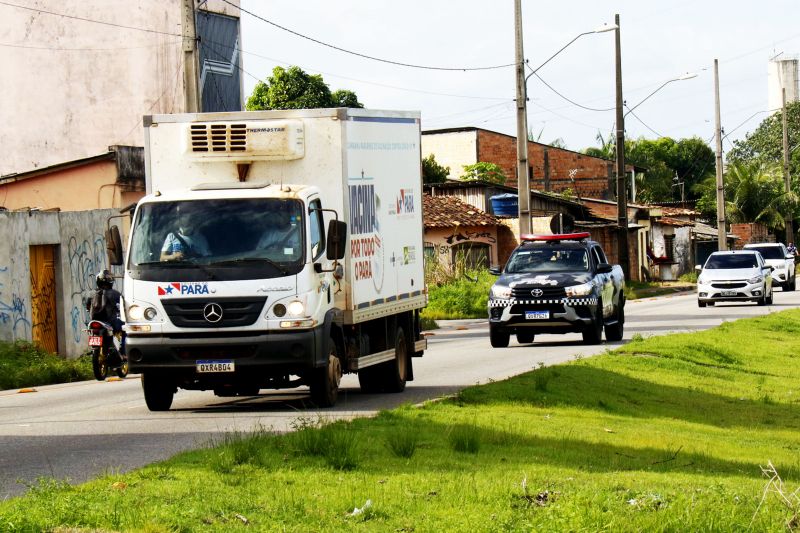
64, 49
567, 99
148, 30
642, 122
359, 54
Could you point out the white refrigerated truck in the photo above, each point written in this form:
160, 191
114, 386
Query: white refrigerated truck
276, 249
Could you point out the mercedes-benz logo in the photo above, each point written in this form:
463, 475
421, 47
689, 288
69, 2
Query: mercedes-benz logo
212, 313
537, 292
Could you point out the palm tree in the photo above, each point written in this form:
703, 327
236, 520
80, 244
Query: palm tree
755, 193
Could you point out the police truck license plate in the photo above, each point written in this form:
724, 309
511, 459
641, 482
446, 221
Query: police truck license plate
95, 341
216, 365
537, 315
728, 293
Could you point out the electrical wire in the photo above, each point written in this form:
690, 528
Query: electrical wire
123, 26
359, 54
567, 99
630, 111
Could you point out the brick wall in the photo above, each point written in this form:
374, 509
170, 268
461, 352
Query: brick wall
750, 233
591, 175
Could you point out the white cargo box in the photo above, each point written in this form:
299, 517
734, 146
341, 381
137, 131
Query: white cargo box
365, 162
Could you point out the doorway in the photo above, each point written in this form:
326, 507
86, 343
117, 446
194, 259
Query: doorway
44, 320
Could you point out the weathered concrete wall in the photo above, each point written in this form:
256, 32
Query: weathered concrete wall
80, 254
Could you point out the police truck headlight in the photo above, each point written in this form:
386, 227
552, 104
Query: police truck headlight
501, 292
579, 290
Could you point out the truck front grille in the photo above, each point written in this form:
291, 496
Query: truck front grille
548, 293
236, 312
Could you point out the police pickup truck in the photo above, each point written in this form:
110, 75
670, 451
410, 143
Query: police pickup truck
557, 284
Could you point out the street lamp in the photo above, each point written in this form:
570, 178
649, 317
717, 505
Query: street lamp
687, 76
523, 186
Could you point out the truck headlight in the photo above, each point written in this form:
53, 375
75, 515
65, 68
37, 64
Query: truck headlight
579, 290
757, 279
501, 292
295, 308
135, 313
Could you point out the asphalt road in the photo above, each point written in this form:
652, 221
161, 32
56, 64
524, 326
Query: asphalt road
81, 430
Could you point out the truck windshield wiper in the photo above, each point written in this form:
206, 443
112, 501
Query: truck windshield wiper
240, 260
181, 263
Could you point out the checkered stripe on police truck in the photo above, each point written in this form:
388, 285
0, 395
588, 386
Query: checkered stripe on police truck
565, 301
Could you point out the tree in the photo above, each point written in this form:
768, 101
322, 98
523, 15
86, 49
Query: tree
765, 144
754, 192
483, 171
606, 148
296, 89
432, 171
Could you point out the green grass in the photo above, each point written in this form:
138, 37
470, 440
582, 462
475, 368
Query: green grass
464, 297
664, 434
635, 290
22, 364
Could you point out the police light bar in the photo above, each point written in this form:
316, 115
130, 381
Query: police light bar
557, 237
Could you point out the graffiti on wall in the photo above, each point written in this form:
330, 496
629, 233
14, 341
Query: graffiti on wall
465, 236
13, 311
85, 259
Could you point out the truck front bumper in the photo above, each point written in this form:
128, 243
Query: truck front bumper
255, 355
562, 316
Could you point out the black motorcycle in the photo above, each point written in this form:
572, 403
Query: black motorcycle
106, 357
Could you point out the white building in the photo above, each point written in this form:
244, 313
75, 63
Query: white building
78, 75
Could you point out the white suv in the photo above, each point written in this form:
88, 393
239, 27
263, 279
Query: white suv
777, 256
740, 275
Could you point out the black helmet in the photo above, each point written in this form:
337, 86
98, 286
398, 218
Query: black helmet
104, 280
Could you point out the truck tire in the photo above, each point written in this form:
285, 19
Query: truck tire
498, 337
789, 285
594, 333
390, 376
525, 337
158, 392
324, 383
614, 332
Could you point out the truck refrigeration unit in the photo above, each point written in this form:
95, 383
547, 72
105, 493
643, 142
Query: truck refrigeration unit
276, 249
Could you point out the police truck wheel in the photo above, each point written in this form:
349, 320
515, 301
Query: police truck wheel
324, 381
615, 331
498, 337
158, 392
594, 332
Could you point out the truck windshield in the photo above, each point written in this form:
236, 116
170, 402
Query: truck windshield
220, 233
548, 259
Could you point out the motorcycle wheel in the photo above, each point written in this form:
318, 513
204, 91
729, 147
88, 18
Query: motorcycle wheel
122, 370
99, 366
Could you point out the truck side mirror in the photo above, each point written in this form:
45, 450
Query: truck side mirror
113, 246
337, 240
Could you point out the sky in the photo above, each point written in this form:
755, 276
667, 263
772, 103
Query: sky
660, 41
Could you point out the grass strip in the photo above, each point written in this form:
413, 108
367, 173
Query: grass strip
23, 364
664, 434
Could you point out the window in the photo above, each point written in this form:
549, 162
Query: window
669, 247
471, 255
316, 224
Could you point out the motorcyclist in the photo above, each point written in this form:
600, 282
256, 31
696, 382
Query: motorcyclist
104, 304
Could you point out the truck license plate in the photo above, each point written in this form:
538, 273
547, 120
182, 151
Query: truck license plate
95, 341
728, 293
216, 365
537, 315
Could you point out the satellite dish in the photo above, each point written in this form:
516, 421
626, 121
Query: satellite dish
562, 223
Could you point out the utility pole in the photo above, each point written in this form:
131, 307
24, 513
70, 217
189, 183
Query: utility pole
523, 186
722, 240
786, 177
191, 93
622, 202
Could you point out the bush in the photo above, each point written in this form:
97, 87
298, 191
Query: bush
23, 364
465, 297
689, 277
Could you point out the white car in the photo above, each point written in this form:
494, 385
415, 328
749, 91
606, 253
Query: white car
777, 256
740, 275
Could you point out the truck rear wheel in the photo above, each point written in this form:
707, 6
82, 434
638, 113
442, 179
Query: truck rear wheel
325, 381
615, 331
390, 376
158, 392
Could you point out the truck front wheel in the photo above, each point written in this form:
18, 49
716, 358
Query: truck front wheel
615, 331
158, 392
324, 381
593, 334
499, 337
